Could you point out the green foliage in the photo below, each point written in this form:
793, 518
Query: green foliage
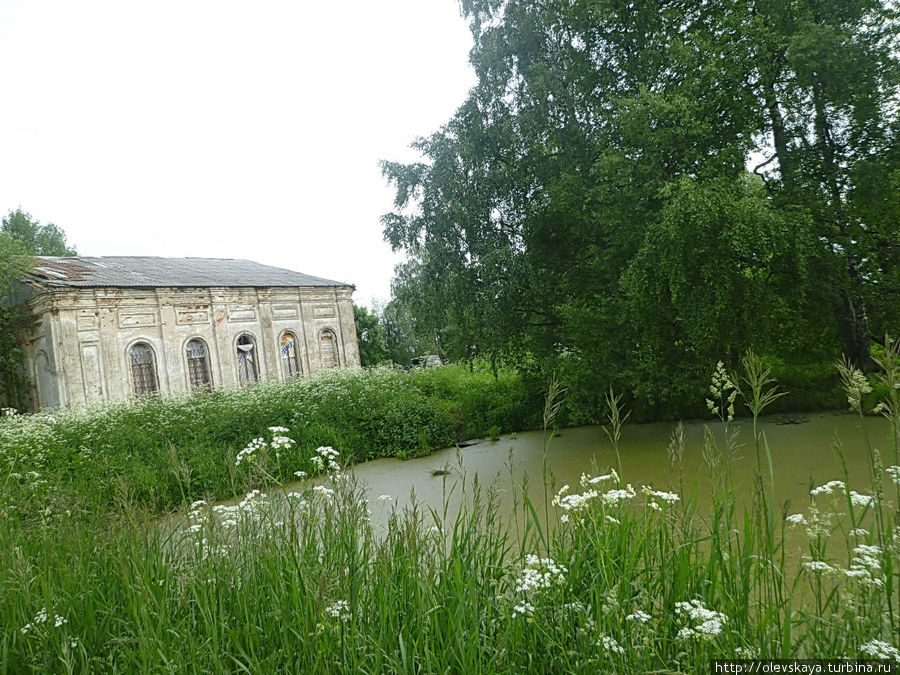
326, 580
370, 336
163, 451
20, 236
590, 209
34, 238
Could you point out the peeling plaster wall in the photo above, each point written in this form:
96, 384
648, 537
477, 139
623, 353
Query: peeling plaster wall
79, 353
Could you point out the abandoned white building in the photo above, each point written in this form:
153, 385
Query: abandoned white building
114, 327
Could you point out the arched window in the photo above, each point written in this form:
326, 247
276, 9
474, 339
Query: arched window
328, 349
143, 369
289, 348
198, 364
248, 370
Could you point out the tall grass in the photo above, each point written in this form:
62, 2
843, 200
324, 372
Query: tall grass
622, 579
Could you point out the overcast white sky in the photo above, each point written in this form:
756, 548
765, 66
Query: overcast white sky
224, 129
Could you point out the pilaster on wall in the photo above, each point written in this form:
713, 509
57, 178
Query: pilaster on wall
344, 299
92, 330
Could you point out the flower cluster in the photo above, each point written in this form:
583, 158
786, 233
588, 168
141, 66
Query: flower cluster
539, 573
658, 498
43, 617
707, 623
253, 447
610, 645
278, 443
829, 488
339, 609
326, 456
894, 473
226, 516
279, 440
638, 617
878, 649
522, 609
866, 566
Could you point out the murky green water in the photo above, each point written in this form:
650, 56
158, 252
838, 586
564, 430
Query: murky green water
802, 456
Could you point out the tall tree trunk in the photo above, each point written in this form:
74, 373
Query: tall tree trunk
853, 324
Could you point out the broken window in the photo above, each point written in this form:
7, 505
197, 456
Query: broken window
248, 372
143, 369
328, 348
289, 355
198, 365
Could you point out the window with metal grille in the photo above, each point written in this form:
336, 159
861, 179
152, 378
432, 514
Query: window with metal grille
246, 360
328, 349
289, 355
198, 365
143, 369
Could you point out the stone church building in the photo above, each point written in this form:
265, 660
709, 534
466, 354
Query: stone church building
116, 327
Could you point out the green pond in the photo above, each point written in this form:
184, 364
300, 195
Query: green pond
802, 457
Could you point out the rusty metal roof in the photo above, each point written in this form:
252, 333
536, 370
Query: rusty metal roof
154, 272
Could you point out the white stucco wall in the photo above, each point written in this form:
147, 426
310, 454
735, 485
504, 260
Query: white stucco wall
84, 335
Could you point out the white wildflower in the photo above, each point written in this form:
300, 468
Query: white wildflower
299, 474
610, 645
894, 473
324, 491
564, 518
708, 623
861, 500
279, 430
878, 649
522, 609
795, 519
669, 497
279, 442
384, 498
616, 496
858, 532
597, 480
638, 616
539, 573
339, 609
252, 447
828, 488
817, 566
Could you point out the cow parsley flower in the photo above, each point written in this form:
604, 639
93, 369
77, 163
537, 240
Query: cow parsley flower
339, 609
795, 519
252, 447
522, 609
817, 566
894, 473
878, 649
539, 573
707, 623
638, 616
610, 645
828, 488
861, 500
